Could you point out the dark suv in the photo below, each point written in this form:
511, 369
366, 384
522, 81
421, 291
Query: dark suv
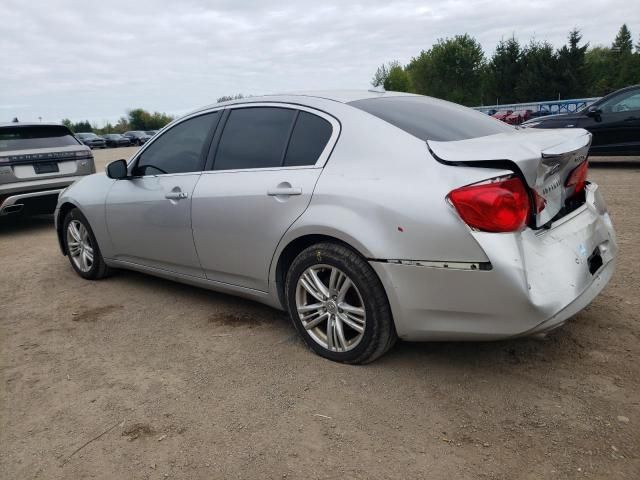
37, 162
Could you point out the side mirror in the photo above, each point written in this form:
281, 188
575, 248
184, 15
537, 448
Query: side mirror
593, 111
117, 170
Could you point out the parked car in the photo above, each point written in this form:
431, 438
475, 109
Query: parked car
137, 137
517, 117
151, 133
502, 114
367, 215
542, 112
116, 140
37, 162
614, 122
91, 140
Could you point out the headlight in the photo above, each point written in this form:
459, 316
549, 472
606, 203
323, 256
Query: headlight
530, 124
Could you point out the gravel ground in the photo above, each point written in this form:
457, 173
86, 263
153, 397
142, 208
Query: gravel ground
137, 377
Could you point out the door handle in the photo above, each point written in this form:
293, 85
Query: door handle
284, 191
176, 195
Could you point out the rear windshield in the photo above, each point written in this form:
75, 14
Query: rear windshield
432, 119
26, 138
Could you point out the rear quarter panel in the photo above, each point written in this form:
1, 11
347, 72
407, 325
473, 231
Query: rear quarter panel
383, 193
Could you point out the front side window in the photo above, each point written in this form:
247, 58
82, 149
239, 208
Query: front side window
628, 101
254, 137
180, 149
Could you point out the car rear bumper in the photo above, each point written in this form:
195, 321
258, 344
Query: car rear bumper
34, 202
538, 279
38, 195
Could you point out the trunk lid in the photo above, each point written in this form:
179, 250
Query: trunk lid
544, 158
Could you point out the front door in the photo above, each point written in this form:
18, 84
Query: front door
618, 125
149, 215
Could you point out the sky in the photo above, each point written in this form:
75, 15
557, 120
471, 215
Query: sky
95, 60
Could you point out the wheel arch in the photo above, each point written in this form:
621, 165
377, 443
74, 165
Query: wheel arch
296, 245
64, 209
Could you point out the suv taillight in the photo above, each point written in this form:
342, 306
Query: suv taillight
578, 177
497, 205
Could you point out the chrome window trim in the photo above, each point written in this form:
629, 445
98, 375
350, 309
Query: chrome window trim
320, 163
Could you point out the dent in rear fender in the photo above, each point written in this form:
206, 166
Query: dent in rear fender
88, 195
538, 279
554, 263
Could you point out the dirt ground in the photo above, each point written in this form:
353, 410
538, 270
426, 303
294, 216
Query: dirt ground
135, 377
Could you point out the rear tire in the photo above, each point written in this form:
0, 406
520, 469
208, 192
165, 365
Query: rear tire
82, 248
338, 304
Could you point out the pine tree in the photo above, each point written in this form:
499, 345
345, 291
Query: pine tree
623, 42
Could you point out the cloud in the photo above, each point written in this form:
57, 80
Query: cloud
65, 58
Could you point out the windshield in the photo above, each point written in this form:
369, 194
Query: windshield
432, 119
31, 137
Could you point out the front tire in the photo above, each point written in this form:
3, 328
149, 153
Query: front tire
82, 248
338, 304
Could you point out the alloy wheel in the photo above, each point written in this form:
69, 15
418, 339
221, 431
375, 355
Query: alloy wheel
330, 308
79, 246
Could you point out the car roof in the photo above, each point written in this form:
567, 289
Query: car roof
31, 124
341, 96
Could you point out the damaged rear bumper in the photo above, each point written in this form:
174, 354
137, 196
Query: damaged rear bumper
538, 279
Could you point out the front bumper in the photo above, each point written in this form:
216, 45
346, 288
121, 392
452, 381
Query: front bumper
538, 280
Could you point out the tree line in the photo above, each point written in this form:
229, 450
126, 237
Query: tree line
458, 70
136, 119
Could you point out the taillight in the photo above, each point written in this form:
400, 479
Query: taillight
578, 177
498, 205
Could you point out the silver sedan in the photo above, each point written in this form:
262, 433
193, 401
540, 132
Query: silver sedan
368, 216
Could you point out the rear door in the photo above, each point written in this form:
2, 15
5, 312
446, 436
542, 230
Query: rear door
149, 215
262, 176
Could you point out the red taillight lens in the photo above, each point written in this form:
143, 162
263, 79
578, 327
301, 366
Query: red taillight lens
578, 177
500, 205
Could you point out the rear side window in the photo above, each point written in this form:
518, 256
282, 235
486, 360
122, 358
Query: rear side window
31, 137
180, 149
254, 137
310, 135
432, 119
